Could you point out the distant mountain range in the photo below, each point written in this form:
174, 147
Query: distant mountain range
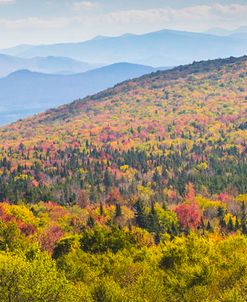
45, 76
50, 64
224, 32
162, 48
24, 93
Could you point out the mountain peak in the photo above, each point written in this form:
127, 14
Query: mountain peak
20, 73
99, 37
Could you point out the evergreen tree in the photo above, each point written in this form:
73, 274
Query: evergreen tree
243, 218
107, 180
101, 209
153, 223
222, 223
236, 224
140, 215
209, 227
90, 222
230, 225
221, 215
118, 211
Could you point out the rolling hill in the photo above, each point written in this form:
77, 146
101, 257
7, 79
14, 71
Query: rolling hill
137, 193
57, 65
149, 136
34, 92
162, 48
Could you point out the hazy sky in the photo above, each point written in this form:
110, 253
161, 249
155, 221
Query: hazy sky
49, 21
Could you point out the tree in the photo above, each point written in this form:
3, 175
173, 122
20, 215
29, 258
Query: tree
154, 224
230, 226
221, 215
100, 240
114, 197
82, 199
64, 246
243, 218
140, 214
189, 215
32, 281
107, 180
90, 222
118, 211
107, 290
101, 209
190, 192
209, 227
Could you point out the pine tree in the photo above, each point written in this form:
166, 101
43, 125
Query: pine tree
221, 215
222, 223
237, 224
209, 227
107, 180
243, 219
118, 211
153, 223
140, 215
230, 225
101, 209
220, 212
90, 222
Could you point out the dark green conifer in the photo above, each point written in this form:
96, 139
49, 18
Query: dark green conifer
140, 215
90, 222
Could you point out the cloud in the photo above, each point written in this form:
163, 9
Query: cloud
85, 21
231, 11
195, 17
85, 5
5, 2
34, 23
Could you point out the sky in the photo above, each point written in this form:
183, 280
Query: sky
52, 21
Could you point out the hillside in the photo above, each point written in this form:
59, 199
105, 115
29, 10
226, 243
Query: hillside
35, 92
162, 48
137, 193
153, 134
57, 65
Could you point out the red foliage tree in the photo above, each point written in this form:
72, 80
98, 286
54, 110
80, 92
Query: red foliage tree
189, 215
50, 236
114, 197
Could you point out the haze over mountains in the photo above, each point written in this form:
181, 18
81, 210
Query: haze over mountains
50, 64
45, 76
225, 32
162, 48
24, 92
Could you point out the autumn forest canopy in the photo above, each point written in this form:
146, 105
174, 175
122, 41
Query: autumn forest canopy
137, 193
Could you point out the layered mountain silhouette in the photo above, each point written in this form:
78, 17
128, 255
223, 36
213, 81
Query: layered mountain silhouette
25, 92
162, 48
50, 64
225, 32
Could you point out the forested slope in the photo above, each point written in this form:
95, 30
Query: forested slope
159, 132
135, 194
